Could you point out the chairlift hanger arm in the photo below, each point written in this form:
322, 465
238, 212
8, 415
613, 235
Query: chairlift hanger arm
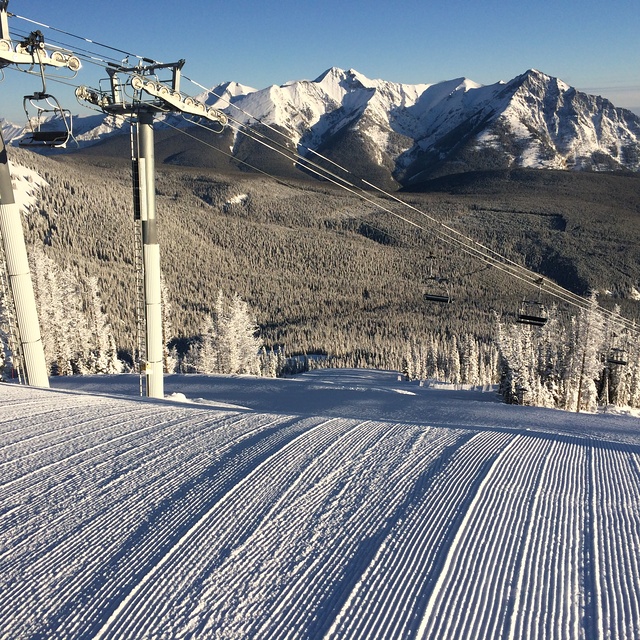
167, 98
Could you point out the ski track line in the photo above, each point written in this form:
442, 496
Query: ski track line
161, 488
51, 454
515, 631
116, 620
98, 526
189, 567
70, 496
160, 535
229, 536
45, 485
486, 570
29, 429
94, 501
249, 502
547, 598
617, 520
300, 598
487, 546
342, 530
455, 549
382, 599
319, 479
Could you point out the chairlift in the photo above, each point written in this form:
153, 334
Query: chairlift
617, 356
440, 291
532, 313
49, 124
443, 296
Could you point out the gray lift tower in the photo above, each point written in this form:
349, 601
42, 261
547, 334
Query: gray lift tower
33, 53
136, 92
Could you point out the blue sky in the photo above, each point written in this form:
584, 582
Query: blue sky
593, 46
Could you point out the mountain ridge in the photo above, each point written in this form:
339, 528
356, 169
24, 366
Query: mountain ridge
403, 134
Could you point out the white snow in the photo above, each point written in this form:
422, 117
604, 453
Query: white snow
336, 504
26, 184
237, 199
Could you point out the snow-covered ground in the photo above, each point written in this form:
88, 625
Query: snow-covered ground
337, 504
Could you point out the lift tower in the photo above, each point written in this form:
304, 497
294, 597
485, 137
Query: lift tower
31, 52
136, 92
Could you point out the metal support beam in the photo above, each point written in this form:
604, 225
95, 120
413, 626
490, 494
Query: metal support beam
19, 277
150, 256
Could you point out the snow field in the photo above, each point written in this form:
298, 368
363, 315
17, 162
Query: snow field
129, 518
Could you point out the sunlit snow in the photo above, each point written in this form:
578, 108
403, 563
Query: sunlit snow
335, 504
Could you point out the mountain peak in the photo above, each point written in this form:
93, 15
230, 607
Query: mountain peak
404, 133
348, 80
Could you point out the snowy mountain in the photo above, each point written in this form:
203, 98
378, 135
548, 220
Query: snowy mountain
339, 504
404, 134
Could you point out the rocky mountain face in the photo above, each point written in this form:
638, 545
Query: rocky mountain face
400, 135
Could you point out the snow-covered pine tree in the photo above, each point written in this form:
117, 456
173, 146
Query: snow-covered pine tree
228, 342
245, 346
590, 344
205, 356
103, 354
5, 349
470, 360
169, 355
57, 312
453, 362
75, 333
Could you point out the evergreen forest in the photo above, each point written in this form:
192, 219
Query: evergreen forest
336, 279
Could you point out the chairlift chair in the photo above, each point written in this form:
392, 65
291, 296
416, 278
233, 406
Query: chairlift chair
617, 356
440, 292
50, 126
532, 313
442, 296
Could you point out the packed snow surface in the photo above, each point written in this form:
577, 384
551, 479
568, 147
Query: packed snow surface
336, 504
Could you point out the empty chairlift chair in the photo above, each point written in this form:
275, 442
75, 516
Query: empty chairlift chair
49, 124
532, 313
438, 289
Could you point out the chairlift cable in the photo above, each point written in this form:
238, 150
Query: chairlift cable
352, 189
73, 35
508, 267
526, 272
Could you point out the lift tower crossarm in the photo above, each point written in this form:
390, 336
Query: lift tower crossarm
176, 102
32, 50
167, 96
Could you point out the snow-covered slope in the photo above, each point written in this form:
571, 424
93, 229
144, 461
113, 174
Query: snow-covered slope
339, 504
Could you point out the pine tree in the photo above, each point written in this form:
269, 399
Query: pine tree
228, 342
169, 355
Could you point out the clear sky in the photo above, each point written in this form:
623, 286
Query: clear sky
594, 46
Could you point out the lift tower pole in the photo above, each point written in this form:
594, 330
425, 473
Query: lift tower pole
19, 277
125, 98
32, 52
150, 255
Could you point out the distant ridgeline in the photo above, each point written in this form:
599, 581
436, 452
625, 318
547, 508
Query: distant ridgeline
391, 134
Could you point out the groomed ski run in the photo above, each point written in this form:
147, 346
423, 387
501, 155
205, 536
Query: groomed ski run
128, 518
